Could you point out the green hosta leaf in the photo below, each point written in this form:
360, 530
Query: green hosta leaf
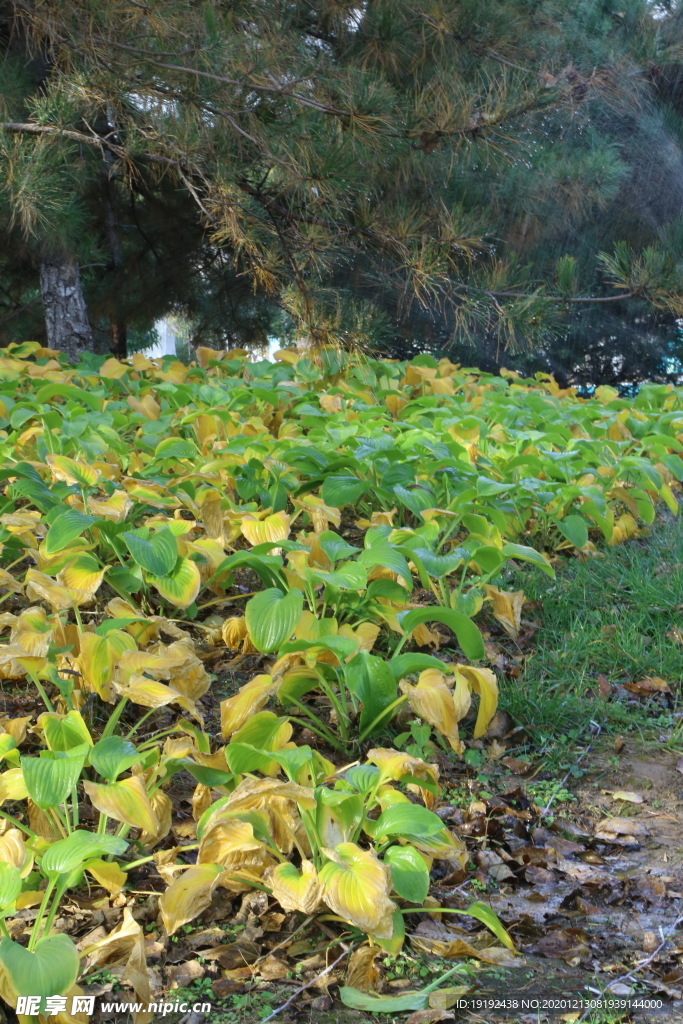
243, 757
339, 490
7, 744
64, 856
409, 873
483, 913
439, 565
66, 733
51, 969
180, 586
363, 777
176, 448
65, 528
406, 820
10, 887
370, 679
157, 554
347, 576
263, 730
370, 1002
383, 554
575, 529
272, 617
335, 547
410, 664
527, 554
469, 637
112, 756
50, 780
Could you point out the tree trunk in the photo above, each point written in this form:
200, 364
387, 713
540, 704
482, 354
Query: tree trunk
66, 316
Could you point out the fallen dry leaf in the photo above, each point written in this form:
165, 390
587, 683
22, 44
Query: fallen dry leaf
361, 972
628, 796
648, 685
604, 687
620, 830
428, 1016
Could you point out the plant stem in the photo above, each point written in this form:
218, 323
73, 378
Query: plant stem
114, 718
375, 722
40, 688
41, 913
147, 714
18, 824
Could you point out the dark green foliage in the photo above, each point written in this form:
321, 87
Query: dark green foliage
401, 175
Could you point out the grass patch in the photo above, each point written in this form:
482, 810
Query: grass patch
615, 615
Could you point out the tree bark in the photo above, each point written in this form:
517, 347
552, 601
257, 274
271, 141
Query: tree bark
66, 315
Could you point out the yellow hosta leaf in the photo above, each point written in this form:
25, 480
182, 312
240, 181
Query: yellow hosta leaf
432, 700
507, 608
124, 801
395, 403
330, 403
162, 808
483, 681
442, 846
226, 839
141, 632
33, 631
251, 697
423, 635
260, 531
8, 581
12, 786
356, 886
188, 896
252, 794
321, 514
236, 635
146, 406
72, 471
115, 508
152, 694
16, 727
362, 974
186, 673
296, 890
108, 874
625, 527
15, 660
181, 586
394, 764
98, 657
113, 369
365, 634
13, 850
124, 950
205, 355
442, 386
40, 587
83, 577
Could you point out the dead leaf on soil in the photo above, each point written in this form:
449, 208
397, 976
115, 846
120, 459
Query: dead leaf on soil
429, 1016
362, 972
628, 796
620, 830
647, 686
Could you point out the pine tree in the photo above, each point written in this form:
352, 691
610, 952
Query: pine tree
324, 157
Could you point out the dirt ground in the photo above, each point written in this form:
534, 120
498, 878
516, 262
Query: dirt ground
608, 913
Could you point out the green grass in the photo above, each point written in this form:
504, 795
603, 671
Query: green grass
610, 614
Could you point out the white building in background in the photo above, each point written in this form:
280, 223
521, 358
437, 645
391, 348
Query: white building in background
166, 345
